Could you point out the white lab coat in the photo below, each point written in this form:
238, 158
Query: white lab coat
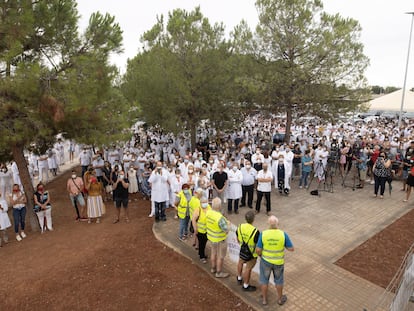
234, 188
4, 217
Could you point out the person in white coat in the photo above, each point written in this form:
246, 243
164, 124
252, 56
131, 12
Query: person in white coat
4, 220
282, 176
159, 191
16, 174
234, 190
6, 180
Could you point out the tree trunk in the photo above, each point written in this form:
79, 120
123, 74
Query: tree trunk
18, 156
288, 122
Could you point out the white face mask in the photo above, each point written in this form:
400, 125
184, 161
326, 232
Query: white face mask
248, 166
234, 168
204, 205
73, 176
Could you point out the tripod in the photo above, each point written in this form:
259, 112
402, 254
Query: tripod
354, 178
324, 175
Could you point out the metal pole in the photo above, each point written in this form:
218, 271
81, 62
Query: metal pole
406, 70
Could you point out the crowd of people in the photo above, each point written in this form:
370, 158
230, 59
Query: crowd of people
223, 172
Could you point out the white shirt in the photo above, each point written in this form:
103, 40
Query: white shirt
159, 186
264, 186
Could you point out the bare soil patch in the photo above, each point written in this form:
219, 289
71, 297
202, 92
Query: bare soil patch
378, 259
106, 266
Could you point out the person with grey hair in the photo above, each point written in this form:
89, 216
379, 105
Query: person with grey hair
264, 187
217, 229
271, 247
248, 234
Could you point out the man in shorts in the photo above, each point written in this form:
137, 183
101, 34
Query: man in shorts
120, 193
250, 235
271, 246
74, 187
217, 229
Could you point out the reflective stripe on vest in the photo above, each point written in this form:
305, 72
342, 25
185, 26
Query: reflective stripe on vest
273, 246
214, 232
202, 219
244, 231
182, 206
194, 204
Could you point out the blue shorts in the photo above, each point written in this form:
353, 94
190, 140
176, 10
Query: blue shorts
265, 271
77, 199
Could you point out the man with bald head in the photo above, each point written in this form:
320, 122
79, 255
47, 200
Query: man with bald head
271, 247
264, 187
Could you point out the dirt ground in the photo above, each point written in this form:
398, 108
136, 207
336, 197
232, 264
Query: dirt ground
378, 259
81, 266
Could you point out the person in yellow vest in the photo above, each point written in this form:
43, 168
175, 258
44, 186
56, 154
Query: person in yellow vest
250, 235
183, 210
194, 204
200, 227
271, 247
217, 229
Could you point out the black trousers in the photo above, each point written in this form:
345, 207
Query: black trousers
230, 204
259, 200
202, 241
247, 191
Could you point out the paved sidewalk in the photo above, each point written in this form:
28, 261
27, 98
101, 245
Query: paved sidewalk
322, 229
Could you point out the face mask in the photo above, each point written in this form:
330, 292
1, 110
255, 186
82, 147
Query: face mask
234, 168
159, 168
74, 176
178, 175
185, 161
248, 166
204, 205
211, 162
121, 176
187, 191
200, 159
190, 171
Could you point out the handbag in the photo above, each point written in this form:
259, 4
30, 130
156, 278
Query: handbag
245, 253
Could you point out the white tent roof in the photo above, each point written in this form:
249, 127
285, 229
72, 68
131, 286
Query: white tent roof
392, 102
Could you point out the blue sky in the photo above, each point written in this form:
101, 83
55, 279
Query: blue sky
385, 27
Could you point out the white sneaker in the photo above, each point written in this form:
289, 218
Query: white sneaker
18, 238
150, 215
23, 234
372, 182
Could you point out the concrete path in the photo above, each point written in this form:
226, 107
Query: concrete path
323, 229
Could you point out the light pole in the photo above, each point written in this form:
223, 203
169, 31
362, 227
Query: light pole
406, 70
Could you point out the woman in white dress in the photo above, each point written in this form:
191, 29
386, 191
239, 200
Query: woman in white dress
6, 181
133, 183
4, 220
96, 206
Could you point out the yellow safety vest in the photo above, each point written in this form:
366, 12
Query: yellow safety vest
273, 246
202, 219
214, 232
244, 232
194, 204
183, 205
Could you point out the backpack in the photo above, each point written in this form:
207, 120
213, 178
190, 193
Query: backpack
245, 253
